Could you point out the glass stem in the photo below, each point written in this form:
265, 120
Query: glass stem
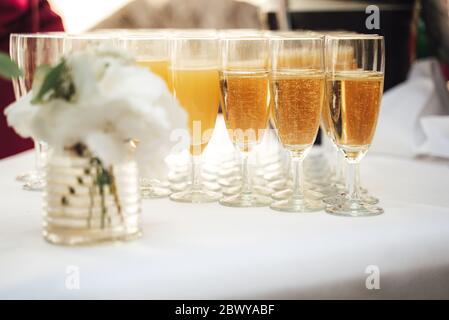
357, 179
298, 177
246, 178
37, 156
41, 155
340, 163
352, 181
196, 173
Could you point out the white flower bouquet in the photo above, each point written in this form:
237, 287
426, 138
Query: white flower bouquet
100, 100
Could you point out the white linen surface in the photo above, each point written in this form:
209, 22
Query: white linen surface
208, 251
413, 120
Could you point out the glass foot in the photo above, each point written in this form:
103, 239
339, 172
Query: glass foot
246, 200
230, 191
298, 205
273, 176
350, 208
228, 172
211, 186
178, 187
287, 193
279, 185
153, 189
34, 184
195, 196
230, 182
263, 190
152, 192
337, 199
24, 176
178, 177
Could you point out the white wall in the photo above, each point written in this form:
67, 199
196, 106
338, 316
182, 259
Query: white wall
80, 15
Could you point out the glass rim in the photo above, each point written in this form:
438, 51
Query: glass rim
39, 35
297, 37
300, 33
245, 37
145, 36
240, 30
90, 35
195, 34
355, 36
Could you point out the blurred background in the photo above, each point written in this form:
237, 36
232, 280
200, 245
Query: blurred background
400, 20
412, 29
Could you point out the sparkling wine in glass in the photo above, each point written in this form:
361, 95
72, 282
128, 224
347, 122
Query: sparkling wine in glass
245, 100
298, 86
354, 93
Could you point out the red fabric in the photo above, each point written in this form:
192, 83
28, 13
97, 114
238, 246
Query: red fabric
20, 16
445, 71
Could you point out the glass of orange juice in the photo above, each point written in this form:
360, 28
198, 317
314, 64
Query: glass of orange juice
151, 50
195, 83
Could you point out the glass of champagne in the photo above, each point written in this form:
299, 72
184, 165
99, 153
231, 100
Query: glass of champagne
151, 50
354, 92
298, 86
245, 101
337, 189
29, 51
195, 83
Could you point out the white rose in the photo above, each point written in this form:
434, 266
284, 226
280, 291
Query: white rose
115, 101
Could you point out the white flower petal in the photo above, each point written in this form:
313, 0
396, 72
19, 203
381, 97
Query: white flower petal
116, 102
20, 115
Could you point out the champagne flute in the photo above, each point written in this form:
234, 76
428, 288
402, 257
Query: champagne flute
14, 54
151, 50
298, 86
29, 51
354, 92
195, 83
344, 61
245, 100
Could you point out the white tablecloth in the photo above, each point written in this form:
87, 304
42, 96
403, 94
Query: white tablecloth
208, 251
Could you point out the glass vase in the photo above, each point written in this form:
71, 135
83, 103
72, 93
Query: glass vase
86, 202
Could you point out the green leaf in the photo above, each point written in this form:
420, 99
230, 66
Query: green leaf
8, 68
50, 82
41, 72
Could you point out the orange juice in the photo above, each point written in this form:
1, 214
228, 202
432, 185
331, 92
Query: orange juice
197, 90
159, 67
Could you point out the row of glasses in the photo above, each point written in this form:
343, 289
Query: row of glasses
345, 85
293, 79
